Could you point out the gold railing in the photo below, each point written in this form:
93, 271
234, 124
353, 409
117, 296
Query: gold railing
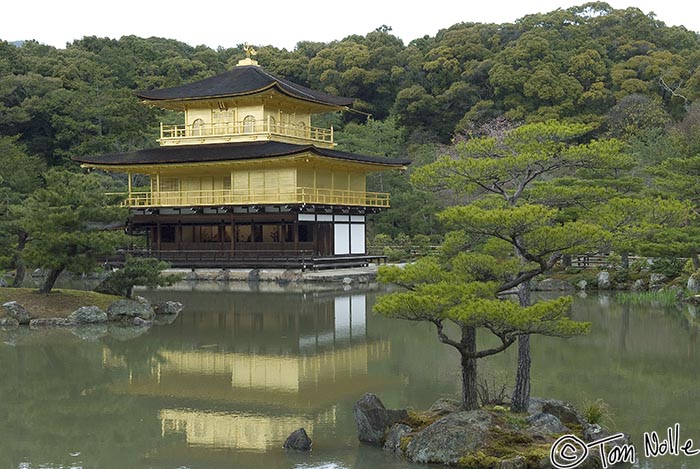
172, 133
297, 195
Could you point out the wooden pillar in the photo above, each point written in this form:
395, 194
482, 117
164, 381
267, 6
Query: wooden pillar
233, 234
295, 234
317, 247
128, 175
281, 235
158, 236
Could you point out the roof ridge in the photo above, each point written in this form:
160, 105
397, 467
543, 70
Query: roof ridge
286, 83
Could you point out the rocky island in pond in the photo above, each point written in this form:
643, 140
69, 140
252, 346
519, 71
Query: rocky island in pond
486, 438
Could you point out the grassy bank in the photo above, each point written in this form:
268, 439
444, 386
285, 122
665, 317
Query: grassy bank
57, 304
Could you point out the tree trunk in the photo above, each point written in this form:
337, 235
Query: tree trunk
521, 394
50, 280
696, 261
566, 260
470, 399
625, 260
19, 264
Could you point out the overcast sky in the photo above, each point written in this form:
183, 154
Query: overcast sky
281, 24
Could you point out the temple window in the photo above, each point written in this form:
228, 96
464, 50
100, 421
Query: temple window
248, 124
198, 127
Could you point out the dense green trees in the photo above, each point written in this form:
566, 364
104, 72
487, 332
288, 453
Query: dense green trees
573, 64
20, 175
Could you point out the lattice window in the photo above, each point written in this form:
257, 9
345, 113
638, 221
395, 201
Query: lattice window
169, 184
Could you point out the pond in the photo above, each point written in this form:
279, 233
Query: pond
240, 369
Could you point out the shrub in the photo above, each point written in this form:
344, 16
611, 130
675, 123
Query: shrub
671, 268
395, 254
142, 272
598, 412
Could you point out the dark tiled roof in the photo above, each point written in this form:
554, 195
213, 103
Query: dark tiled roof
226, 152
241, 81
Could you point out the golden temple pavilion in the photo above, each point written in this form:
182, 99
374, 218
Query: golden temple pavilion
247, 180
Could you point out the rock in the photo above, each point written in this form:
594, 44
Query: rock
373, 419
298, 440
656, 280
17, 311
142, 300
638, 285
593, 432
535, 406
677, 290
553, 284
140, 322
168, 308
50, 322
582, 285
444, 406
604, 280
191, 276
222, 276
254, 276
8, 322
693, 285
517, 462
394, 435
564, 411
450, 438
544, 424
129, 309
3, 283
88, 315
289, 276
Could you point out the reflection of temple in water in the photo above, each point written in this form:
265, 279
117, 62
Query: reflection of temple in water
258, 370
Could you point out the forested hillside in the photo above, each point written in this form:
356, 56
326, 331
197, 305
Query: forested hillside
626, 72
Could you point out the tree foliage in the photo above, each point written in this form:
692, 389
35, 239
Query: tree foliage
463, 293
137, 271
71, 222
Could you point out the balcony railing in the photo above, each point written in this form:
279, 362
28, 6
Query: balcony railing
299, 195
241, 131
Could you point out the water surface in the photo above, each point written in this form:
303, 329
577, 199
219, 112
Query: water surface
240, 369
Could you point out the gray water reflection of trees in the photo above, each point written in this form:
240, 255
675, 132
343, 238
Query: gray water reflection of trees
55, 401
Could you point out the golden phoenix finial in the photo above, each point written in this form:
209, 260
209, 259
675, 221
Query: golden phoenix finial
249, 50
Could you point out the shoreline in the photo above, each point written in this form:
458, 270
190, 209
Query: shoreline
348, 275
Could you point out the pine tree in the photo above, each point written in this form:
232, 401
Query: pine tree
70, 222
